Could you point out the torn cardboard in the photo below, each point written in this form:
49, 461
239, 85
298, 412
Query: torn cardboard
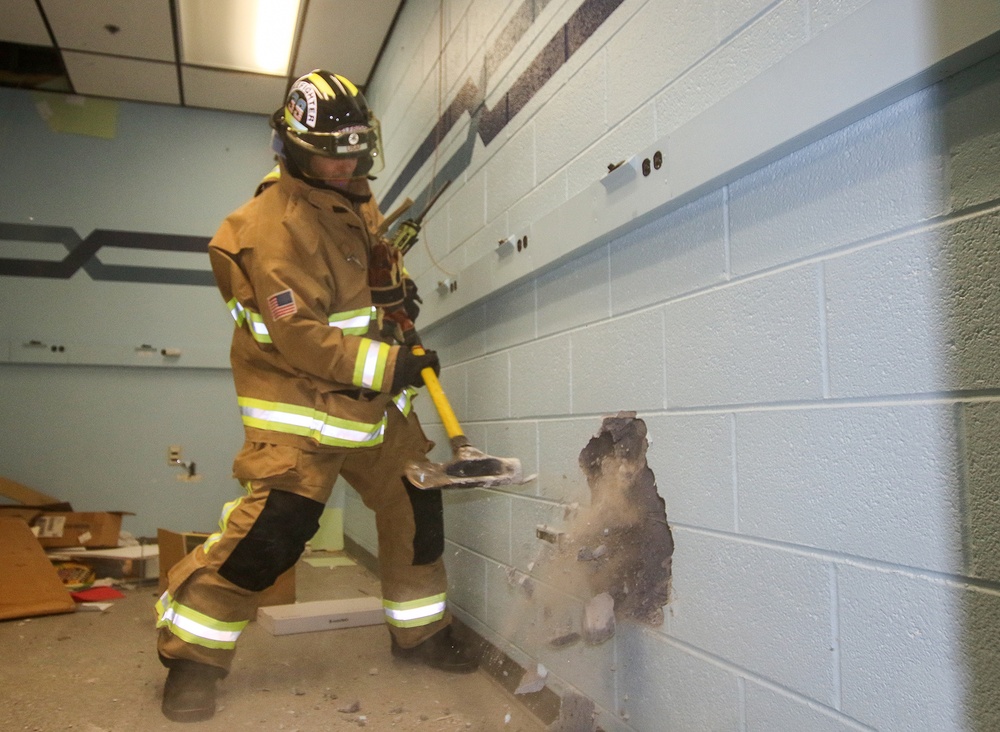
56, 524
29, 584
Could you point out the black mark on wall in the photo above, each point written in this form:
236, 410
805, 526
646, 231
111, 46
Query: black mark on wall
82, 254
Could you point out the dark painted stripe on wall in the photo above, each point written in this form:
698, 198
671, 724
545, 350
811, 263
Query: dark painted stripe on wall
490, 122
83, 255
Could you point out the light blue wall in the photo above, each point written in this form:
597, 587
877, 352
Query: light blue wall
813, 348
97, 436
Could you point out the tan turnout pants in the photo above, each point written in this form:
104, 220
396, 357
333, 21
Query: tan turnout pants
203, 612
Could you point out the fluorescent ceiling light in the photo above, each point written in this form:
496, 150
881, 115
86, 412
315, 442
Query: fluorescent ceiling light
245, 35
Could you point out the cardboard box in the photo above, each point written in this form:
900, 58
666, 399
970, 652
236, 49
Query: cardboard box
25, 495
175, 546
308, 617
60, 529
29, 584
56, 524
132, 563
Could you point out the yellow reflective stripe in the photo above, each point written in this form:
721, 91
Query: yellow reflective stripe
192, 626
369, 368
353, 322
236, 310
253, 320
324, 428
257, 328
404, 400
415, 612
227, 511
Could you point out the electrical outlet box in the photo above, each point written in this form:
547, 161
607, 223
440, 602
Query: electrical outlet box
173, 454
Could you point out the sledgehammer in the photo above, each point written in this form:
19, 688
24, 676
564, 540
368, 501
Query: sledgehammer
469, 467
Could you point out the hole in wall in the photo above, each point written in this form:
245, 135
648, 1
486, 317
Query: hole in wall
622, 538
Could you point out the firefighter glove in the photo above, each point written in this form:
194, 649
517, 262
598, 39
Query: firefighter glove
408, 368
411, 299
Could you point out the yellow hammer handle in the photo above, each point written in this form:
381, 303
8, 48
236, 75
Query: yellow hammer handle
448, 418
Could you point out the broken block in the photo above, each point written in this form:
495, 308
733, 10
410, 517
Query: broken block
599, 619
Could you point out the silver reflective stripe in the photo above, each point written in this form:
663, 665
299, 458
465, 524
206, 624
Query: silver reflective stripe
371, 365
416, 613
172, 617
258, 327
237, 312
302, 423
355, 322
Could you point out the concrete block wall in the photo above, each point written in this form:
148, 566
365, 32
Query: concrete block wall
813, 348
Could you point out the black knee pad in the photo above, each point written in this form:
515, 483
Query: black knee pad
275, 541
428, 514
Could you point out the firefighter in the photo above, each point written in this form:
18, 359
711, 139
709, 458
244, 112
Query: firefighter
321, 395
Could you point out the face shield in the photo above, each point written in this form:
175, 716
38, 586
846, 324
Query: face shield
317, 153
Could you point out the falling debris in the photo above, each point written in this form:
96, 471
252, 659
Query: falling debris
565, 640
599, 619
533, 680
351, 708
623, 535
576, 714
547, 533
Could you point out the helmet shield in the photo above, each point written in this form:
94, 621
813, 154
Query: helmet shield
326, 116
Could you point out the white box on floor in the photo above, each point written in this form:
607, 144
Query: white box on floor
308, 617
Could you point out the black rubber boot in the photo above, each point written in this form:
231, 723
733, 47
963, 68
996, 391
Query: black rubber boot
442, 651
189, 692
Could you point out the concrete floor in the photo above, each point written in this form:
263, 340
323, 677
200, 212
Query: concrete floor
98, 672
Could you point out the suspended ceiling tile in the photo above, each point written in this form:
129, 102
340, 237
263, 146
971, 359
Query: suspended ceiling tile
344, 36
145, 29
23, 24
122, 78
232, 90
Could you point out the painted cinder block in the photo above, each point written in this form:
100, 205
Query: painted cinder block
878, 482
918, 652
635, 132
572, 119
669, 688
753, 341
489, 387
758, 607
691, 456
874, 177
769, 709
618, 365
574, 294
559, 444
529, 553
511, 172
679, 253
466, 209
479, 520
466, 579
516, 439
746, 53
973, 103
459, 340
981, 436
509, 319
917, 314
692, 35
540, 378
532, 620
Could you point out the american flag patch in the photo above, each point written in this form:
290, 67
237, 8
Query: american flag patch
282, 304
